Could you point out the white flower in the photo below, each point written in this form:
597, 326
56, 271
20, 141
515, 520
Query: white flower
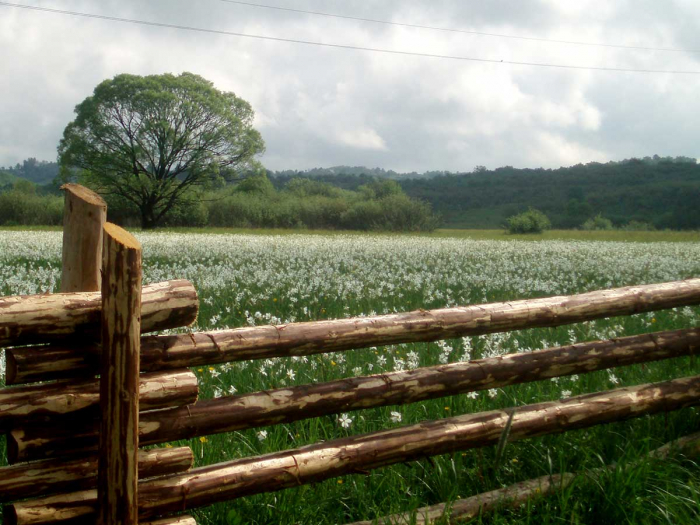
290, 374
262, 435
344, 420
472, 395
614, 379
217, 392
232, 389
395, 417
565, 394
493, 392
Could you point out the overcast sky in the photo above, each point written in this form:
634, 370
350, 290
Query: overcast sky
320, 106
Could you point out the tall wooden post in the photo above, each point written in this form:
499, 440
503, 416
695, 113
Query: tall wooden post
119, 380
84, 216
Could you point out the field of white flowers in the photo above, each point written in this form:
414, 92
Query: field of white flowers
266, 279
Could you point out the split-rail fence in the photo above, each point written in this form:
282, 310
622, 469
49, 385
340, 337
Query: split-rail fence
73, 439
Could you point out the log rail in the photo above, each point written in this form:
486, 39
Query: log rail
271, 472
297, 339
49, 422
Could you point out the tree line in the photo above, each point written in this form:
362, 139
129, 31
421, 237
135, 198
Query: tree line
380, 205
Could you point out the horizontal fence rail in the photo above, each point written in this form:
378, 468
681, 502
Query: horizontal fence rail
42, 403
29, 319
50, 476
515, 495
284, 405
321, 461
185, 350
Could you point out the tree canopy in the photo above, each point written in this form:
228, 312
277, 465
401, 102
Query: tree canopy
148, 140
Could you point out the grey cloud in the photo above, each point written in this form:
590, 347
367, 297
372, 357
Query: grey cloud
318, 106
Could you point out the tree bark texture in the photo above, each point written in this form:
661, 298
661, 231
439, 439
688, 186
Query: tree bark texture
321, 461
174, 520
262, 342
28, 319
51, 476
84, 215
117, 474
284, 405
465, 509
45, 403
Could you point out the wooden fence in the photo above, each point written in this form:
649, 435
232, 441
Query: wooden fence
72, 439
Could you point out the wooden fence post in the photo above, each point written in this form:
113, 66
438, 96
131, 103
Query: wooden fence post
84, 215
119, 380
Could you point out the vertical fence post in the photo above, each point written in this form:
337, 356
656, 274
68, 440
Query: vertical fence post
84, 215
119, 379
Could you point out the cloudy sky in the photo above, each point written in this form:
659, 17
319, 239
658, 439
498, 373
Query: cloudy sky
323, 106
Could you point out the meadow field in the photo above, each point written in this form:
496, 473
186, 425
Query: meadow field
246, 279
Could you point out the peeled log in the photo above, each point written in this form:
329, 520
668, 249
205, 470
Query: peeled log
262, 342
51, 476
467, 508
84, 215
285, 405
514, 495
42, 403
117, 472
28, 319
321, 461
174, 520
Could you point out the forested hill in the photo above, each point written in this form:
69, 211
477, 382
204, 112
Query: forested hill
661, 191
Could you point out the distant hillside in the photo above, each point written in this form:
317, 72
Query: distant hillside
6, 178
662, 191
38, 172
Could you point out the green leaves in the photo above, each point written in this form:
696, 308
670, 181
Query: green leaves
149, 139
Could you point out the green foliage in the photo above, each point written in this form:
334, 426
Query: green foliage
305, 203
530, 221
257, 184
394, 213
597, 223
661, 192
637, 226
150, 140
22, 206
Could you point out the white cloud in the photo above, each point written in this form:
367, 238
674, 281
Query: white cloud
318, 106
363, 139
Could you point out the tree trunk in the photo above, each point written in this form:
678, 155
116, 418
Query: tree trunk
84, 215
51, 476
321, 461
27, 319
284, 405
240, 344
117, 474
46, 402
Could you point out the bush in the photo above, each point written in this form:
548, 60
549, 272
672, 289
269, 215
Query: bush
20, 208
392, 213
637, 226
597, 223
530, 221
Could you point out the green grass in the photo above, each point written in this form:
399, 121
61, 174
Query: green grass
475, 234
308, 277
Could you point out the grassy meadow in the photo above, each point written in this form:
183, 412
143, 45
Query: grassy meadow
258, 278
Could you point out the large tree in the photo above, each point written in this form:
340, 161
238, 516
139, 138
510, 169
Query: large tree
150, 140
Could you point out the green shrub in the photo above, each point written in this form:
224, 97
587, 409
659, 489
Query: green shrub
637, 226
597, 223
18, 207
530, 221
